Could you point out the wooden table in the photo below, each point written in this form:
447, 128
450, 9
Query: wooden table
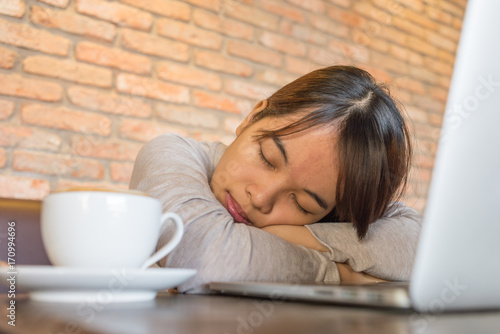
199, 314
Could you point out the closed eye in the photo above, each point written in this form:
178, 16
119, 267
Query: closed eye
301, 209
264, 160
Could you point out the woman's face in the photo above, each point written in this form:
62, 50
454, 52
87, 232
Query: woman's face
289, 180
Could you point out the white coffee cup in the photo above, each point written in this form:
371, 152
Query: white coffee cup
105, 229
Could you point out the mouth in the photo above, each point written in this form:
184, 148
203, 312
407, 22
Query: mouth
236, 211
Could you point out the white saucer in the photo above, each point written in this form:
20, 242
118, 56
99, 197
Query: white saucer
93, 285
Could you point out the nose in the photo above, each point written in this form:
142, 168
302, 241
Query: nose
263, 195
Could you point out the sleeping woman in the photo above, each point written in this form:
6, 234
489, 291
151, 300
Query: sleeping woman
307, 192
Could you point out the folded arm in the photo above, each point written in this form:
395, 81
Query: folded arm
174, 170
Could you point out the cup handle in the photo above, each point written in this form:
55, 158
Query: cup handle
169, 246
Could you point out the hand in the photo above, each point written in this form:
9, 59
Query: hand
347, 274
298, 235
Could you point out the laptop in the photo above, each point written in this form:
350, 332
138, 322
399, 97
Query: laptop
457, 265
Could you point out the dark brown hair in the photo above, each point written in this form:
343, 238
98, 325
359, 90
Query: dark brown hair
373, 140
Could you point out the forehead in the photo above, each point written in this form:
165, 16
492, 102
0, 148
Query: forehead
313, 158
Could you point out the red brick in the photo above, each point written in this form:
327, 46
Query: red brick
436, 119
121, 171
369, 11
188, 75
14, 8
29, 138
427, 146
439, 67
252, 15
109, 57
298, 66
436, 14
346, 17
247, 89
98, 147
417, 114
342, 3
284, 10
254, 53
395, 8
7, 58
324, 57
68, 70
213, 5
455, 10
422, 47
379, 74
174, 9
393, 35
218, 62
64, 184
16, 85
72, 23
325, 24
146, 130
423, 160
308, 34
22, 35
147, 87
65, 119
154, 45
449, 32
411, 85
189, 34
222, 25
231, 124
117, 13
440, 94
3, 157
283, 44
62, 165
424, 75
403, 24
274, 77
6, 109
212, 101
420, 19
317, 6
404, 53
389, 63
23, 187
56, 3
440, 41
112, 103
349, 50
423, 174
187, 116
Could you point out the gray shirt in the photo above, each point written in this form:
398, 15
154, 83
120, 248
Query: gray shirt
177, 171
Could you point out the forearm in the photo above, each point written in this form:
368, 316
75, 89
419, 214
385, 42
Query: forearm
213, 244
300, 235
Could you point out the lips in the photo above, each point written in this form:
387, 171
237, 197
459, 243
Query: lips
235, 210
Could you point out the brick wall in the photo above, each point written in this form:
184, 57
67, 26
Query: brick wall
84, 83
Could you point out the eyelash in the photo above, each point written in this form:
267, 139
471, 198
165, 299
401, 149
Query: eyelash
301, 209
264, 160
268, 164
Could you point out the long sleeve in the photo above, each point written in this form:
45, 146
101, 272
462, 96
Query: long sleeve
388, 250
177, 171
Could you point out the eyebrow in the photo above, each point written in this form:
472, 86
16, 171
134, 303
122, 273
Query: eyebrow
321, 202
280, 146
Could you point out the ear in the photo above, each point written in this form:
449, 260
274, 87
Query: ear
249, 119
